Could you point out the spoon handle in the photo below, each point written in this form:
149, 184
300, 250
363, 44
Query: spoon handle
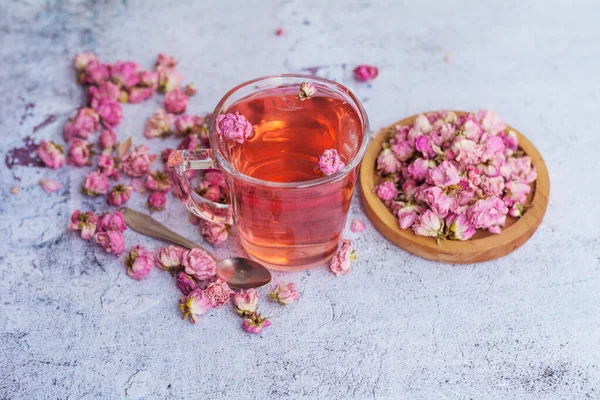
146, 225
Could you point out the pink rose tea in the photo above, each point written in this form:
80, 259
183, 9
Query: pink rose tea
293, 227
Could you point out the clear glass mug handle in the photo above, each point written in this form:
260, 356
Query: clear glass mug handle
181, 161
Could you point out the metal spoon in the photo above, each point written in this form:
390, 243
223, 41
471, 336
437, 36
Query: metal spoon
238, 272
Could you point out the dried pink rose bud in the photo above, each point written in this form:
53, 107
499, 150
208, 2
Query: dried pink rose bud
51, 154
186, 283
191, 142
136, 95
168, 258
357, 226
488, 214
106, 90
208, 191
201, 129
85, 122
168, 79
165, 60
245, 301
112, 241
106, 165
387, 162
176, 101
218, 292
330, 162
110, 113
50, 185
190, 89
215, 178
160, 124
164, 155
255, 323
341, 262
82, 60
84, 222
158, 181
137, 162
119, 195
214, 233
95, 183
139, 262
111, 222
365, 73
460, 227
195, 220
429, 224
184, 124
80, 152
107, 139
279, 32
199, 264
233, 127
386, 190
125, 74
148, 79
157, 201
285, 293
307, 90
95, 73
194, 304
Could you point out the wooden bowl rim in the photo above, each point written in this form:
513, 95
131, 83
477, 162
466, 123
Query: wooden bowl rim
454, 247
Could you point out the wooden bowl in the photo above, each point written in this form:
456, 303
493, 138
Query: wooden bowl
483, 246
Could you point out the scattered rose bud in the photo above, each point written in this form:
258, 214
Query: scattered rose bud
119, 195
234, 127
208, 191
165, 60
199, 264
245, 302
279, 32
191, 142
156, 201
84, 222
215, 178
160, 124
51, 154
164, 155
111, 241
80, 152
365, 73
111, 222
137, 162
95, 183
107, 139
82, 60
168, 79
201, 129
176, 101
341, 262
285, 293
95, 73
195, 220
125, 74
139, 262
218, 292
330, 162
50, 185
106, 165
190, 89
137, 95
106, 90
158, 181
214, 233
110, 113
194, 304
184, 124
255, 323
169, 258
148, 79
307, 90
357, 226
186, 283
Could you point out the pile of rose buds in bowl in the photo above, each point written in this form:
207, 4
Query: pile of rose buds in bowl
120, 169
448, 176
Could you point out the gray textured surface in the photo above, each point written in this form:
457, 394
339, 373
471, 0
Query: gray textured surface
73, 325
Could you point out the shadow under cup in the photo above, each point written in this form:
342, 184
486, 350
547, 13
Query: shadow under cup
288, 214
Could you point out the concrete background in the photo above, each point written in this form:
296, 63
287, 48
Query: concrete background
74, 326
